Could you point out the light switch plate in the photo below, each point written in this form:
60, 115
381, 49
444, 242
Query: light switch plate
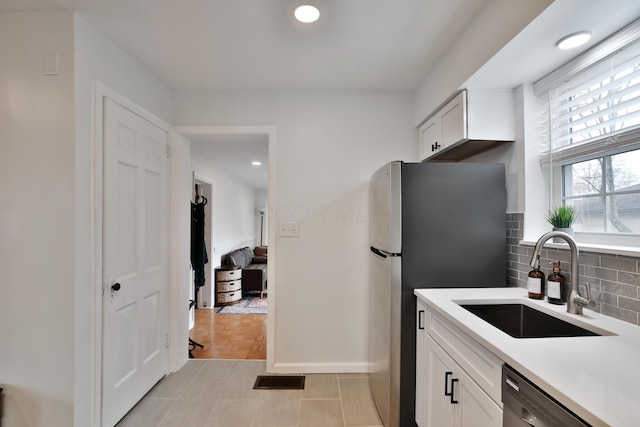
289, 229
50, 64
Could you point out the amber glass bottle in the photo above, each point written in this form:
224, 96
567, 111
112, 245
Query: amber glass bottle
556, 285
535, 282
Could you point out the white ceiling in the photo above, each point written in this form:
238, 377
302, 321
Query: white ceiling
233, 155
245, 44
200, 45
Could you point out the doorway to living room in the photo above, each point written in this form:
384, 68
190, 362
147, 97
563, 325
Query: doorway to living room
223, 325
228, 317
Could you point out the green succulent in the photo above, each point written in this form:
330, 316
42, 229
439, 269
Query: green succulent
562, 217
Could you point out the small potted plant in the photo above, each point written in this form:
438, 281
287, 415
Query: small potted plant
562, 218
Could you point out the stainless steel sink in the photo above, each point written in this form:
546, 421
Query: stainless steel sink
521, 321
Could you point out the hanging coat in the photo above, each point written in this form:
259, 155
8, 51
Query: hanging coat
198, 245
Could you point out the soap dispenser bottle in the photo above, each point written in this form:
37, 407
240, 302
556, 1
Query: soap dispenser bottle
556, 285
535, 282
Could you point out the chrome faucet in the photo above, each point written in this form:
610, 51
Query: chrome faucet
575, 301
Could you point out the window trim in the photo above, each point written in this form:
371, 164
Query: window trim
631, 250
607, 146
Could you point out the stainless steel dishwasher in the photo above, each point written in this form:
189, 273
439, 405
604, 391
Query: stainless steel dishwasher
525, 405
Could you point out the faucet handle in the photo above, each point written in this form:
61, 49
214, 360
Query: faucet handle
586, 302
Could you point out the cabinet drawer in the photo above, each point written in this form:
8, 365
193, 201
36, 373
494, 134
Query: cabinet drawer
227, 275
229, 286
478, 362
228, 297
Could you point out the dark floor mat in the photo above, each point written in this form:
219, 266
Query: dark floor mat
279, 382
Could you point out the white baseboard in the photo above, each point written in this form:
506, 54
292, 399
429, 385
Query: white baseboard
320, 368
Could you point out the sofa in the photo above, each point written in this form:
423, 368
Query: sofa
254, 267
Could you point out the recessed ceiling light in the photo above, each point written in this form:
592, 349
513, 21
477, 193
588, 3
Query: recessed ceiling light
256, 163
573, 40
306, 13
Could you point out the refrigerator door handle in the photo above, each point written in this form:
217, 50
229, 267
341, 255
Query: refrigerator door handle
378, 252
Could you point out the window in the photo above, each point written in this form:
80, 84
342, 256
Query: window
606, 193
593, 144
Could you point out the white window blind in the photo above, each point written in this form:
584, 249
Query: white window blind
596, 110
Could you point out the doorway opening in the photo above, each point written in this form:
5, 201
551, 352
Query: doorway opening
237, 218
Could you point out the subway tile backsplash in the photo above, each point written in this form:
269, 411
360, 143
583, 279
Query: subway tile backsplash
614, 279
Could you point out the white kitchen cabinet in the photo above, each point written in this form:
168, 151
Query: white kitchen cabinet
469, 123
453, 125
453, 398
457, 380
431, 137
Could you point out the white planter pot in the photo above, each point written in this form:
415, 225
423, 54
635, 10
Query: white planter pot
569, 231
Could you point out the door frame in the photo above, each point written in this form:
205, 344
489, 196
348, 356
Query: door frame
270, 132
101, 91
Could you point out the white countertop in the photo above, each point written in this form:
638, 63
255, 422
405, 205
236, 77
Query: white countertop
597, 377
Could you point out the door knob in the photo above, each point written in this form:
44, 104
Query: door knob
115, 287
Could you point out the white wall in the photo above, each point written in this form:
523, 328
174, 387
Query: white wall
328, 145
36, 220
97, 58
493, 27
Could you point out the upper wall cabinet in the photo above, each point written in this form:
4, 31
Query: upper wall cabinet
471, 122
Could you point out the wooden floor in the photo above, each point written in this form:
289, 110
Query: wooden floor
229, 336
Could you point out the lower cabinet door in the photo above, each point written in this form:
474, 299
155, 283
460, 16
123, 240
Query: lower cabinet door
454, 399
440, 412
476, 407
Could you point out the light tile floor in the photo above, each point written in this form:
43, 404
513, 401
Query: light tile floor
219, 393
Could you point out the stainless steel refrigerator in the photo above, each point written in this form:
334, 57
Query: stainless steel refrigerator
432, 225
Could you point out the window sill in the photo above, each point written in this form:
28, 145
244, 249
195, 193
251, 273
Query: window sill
587, 247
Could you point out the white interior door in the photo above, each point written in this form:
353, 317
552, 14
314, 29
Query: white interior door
135, 259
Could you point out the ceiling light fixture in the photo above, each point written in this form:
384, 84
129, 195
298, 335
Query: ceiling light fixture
256, 163
306, 13
573, 40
